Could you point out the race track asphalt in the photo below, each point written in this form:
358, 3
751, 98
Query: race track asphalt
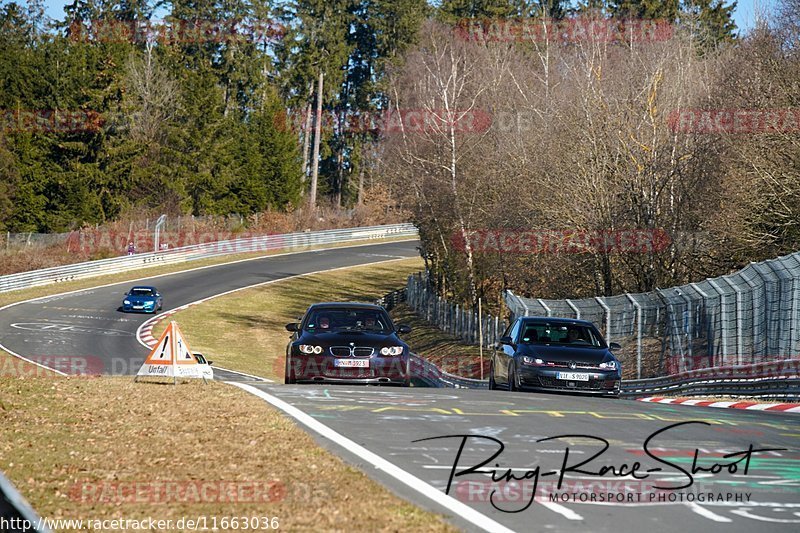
85, 328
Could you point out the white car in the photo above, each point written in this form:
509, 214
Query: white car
205, 366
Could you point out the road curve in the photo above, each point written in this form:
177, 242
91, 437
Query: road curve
84, 329
84, 332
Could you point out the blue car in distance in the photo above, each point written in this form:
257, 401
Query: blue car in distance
143, 300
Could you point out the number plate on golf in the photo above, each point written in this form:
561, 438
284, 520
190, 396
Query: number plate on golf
573, 376
351, 363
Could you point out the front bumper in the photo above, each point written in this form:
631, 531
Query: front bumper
323, 368
130, 308
604, 382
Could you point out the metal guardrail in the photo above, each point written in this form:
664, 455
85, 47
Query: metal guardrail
288, 241
425, 373
779, 380
15, 513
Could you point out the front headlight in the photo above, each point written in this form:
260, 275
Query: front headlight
310, 348
609, 365
533, 361
392, 350
127, 302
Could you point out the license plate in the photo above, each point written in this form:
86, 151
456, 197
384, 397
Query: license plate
138, 307
351, 363
573, 376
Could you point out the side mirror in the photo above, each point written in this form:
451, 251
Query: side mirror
403, 329
210, 363
614, 346
293, 326
506, 340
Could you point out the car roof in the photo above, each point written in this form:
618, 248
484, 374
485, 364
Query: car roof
339, 305
556, 320
143, 287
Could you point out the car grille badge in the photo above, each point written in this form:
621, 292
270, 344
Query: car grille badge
572, 365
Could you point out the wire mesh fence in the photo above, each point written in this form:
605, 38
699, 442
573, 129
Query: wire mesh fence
467, 324
751, 316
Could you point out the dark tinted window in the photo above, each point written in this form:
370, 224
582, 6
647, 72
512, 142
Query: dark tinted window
348, 319
566, 334
141, 291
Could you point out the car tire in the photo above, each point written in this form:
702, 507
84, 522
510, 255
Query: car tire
286, 379
492, 382
512, 378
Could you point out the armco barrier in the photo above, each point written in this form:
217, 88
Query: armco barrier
288, 241
779, 380
15, 513
776, 379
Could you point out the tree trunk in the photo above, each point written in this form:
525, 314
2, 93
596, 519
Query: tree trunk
312, 197
361, 185
306, 140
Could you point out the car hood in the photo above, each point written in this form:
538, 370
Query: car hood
359, 338
557, 352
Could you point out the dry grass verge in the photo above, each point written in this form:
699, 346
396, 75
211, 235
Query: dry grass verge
106, 448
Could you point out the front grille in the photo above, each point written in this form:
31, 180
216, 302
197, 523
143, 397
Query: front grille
347, 351
565, 364
553, 383
340, 351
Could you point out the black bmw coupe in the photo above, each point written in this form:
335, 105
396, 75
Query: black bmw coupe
347, 343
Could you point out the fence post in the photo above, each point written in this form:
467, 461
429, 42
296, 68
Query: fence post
574, 308
607, 311
638, 307
688, 322
739, 321
709, 340
480, 334
756, 333
723, 318
545, 307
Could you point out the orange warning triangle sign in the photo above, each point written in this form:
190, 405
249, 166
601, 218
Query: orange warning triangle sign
170, 351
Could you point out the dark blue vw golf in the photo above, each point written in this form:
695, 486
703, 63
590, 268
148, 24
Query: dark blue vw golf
558, 354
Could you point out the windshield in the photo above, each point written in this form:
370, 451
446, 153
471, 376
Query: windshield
139, 291
567, 334
344, 319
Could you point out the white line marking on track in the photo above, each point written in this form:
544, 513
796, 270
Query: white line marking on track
90, 290
259, 378
566, 512
705, 513
458, 508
